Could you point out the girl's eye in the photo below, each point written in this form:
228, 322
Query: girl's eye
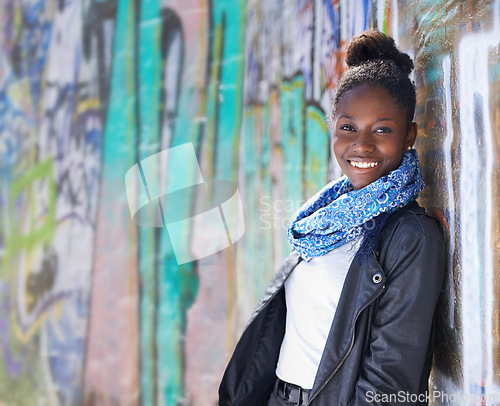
347, 127
383, 130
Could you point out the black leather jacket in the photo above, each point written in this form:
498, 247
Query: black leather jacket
379, 349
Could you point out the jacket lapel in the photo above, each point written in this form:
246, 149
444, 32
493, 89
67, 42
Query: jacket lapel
359, 290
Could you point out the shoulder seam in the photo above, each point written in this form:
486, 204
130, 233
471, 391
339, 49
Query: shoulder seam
421, 236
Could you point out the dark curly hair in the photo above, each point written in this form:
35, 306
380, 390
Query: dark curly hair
373, 58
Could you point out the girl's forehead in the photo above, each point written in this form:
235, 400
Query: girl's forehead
369, 96
366, 91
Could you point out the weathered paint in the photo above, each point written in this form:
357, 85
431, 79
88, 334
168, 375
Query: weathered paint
114, 328
95, 310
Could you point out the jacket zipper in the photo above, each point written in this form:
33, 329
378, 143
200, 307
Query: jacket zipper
350, 347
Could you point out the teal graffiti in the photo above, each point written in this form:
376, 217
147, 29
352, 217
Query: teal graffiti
167, 289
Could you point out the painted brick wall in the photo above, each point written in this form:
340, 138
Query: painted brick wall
95, 307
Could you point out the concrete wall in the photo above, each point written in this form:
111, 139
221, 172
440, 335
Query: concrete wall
95, 309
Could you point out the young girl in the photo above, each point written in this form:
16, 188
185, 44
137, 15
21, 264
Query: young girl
348, 319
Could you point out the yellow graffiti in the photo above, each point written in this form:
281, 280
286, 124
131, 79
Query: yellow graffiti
38, 211
86, 105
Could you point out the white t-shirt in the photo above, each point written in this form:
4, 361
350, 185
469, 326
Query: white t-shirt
312, 294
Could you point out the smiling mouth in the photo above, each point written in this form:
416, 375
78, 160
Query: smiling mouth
363, 165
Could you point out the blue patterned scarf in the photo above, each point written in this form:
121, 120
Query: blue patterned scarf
338, 213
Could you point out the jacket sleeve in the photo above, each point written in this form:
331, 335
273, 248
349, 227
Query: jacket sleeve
396, 367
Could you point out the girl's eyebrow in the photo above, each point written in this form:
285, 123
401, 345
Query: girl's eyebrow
354, 119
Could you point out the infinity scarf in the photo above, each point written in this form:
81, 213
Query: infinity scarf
338, 213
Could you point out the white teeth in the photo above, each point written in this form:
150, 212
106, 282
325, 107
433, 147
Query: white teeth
363, 165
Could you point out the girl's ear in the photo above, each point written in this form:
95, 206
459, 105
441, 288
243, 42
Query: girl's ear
411, 135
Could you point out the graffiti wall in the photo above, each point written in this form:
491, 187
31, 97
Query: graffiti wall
128, 273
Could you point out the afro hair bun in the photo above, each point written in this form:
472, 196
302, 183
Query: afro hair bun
373, 44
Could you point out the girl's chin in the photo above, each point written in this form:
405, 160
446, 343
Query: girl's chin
358, 183
361, 178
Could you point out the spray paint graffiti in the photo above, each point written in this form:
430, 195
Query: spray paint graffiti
95, 310
50, 181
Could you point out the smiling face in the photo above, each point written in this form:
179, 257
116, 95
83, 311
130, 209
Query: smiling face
370, 134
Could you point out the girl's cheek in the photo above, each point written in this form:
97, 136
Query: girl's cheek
338, 143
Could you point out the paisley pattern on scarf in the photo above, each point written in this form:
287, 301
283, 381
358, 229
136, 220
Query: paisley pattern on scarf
337, 213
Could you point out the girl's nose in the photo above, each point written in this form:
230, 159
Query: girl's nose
363, 143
